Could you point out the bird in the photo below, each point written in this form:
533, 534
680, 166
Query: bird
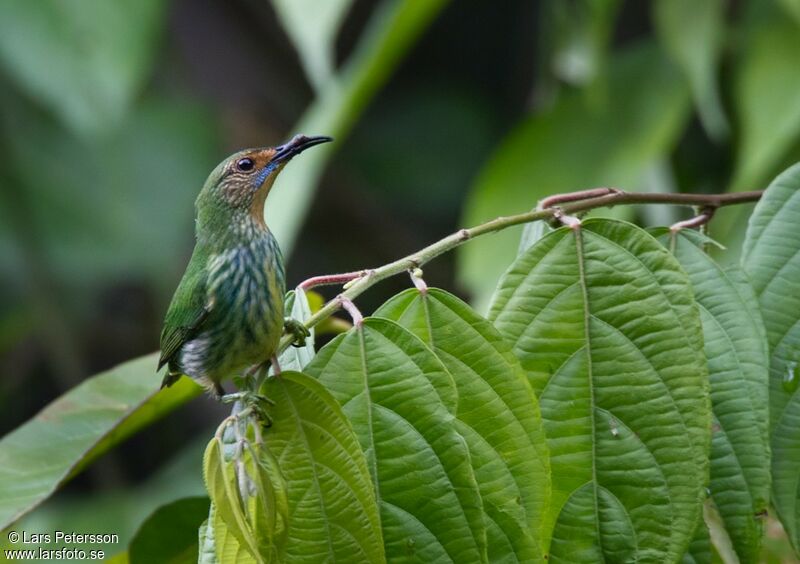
227, 316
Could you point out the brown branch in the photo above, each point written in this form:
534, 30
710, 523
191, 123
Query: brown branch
573, 203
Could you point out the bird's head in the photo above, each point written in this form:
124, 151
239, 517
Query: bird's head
241, 182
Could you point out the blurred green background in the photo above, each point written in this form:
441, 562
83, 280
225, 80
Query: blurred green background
113, 112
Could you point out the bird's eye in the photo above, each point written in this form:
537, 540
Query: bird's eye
245, 165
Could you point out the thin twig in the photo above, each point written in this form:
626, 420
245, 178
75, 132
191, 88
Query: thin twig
357, 286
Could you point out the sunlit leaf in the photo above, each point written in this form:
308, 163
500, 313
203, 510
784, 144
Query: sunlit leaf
391, 31
39, 456
333, 516
771, 258
498, 415
692, 33
313, 36
738, 362
792, 7
85, 60
119, 558
169, 535
400, 399
604, 323
766, 105
577, 145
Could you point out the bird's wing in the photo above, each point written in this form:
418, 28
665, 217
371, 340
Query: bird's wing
188, 310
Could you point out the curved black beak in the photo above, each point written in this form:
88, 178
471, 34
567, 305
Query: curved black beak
297, 145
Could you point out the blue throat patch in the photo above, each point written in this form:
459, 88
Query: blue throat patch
263, 174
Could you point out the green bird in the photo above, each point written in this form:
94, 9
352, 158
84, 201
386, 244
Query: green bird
227, 313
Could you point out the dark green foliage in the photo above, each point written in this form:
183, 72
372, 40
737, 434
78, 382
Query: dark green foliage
169, 535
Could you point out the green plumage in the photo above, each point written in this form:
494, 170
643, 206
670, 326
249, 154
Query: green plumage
227, 312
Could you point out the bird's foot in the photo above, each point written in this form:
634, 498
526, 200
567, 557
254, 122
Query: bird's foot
254, 402
276, 366
297, 330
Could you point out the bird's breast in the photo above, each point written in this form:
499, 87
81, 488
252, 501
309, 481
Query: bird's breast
247, 286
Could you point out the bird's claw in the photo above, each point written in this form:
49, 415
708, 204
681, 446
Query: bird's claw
297, 330
257, 403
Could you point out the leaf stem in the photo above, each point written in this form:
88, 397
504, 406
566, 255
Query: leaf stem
573, 203
699, 220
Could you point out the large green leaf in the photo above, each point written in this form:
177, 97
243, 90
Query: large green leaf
692, 33
738, 361
83, 59
579, 144
603, 321
333, 515
792, 8
391, 31
766, 105
498, 415
169, 535
313, 37
39, 456
400, 399
771, 257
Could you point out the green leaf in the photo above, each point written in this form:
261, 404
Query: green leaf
498, 415
151, 167
604, 323
400, 399
333, 512
67, 435
721, 544
618, 140
531, 233
766, 105
391, 31
700, 548
738, 361
169, 535
791, 7
692, 33
84, 60
771, 257
313, 37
